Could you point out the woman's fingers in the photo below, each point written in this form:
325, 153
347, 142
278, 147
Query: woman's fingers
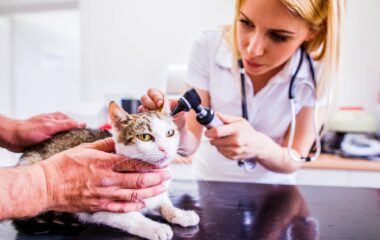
142, 109
157, 96
148, 103
153, 100
221, 131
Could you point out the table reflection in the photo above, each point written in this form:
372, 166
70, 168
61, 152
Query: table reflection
234, 211
227, 211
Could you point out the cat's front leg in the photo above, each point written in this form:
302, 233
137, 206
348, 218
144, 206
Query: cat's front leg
134, 223
185, 218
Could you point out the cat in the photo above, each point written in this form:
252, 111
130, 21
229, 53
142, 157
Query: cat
151, 137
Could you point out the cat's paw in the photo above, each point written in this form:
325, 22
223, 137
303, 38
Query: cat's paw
186, 218
160, 232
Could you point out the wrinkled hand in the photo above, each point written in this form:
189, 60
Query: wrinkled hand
154, 99
236, 140
39, 128
82, 179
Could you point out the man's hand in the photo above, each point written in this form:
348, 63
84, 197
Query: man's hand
83, 179
24, 133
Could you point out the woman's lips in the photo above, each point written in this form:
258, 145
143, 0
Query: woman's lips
253, 64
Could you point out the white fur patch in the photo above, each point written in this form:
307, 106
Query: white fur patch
150, 151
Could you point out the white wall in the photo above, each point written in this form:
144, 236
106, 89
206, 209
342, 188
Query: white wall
127, 45
45, 71
360, 80
34, 5
5, 58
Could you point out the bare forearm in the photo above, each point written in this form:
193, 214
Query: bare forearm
23, 192
276, 158
189, 143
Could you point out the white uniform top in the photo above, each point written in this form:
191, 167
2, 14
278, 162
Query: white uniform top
210, 68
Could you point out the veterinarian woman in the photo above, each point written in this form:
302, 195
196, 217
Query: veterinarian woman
274, 40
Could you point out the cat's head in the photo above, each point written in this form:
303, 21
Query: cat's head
149, 136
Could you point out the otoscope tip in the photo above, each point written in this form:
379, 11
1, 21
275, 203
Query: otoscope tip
177, 109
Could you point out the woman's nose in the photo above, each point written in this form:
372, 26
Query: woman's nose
256, 46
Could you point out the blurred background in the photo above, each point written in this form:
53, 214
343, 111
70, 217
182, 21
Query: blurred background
76, 55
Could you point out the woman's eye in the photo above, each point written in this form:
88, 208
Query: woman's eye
246, 24
170, 133
278, 38
145, 137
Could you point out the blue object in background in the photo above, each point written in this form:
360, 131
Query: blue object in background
130, 105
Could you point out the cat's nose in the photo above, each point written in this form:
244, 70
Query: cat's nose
162, 149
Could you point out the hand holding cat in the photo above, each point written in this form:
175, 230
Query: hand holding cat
37, 129
82, 179
237, 139
154, 99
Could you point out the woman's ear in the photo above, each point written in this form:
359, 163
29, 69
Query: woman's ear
313, 33
165, 108
117, 114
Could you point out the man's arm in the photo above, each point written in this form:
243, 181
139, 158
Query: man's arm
81, 179
15, 135
23, 192
7, 131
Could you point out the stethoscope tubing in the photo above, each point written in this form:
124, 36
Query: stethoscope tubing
250, 164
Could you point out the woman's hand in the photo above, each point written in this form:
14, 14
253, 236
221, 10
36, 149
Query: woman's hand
37, 129
154, 99
236, 140
83, 179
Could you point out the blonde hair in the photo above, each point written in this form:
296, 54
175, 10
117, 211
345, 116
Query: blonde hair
323, 16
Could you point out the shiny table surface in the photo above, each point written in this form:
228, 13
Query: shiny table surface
252, 211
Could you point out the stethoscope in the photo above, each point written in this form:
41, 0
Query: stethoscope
250, 164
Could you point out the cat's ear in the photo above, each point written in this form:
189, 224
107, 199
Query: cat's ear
117, 114
165, 108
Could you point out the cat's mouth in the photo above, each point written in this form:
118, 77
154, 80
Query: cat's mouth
161, 162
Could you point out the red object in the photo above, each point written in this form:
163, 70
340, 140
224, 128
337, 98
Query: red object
105, 126
357, 108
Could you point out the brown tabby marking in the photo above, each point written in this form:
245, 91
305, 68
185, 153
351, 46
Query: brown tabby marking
136, 124
61, 142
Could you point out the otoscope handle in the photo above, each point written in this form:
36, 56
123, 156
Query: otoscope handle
216, 122
208, 118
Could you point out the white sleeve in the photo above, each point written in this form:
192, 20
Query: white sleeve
310, 98
198, 66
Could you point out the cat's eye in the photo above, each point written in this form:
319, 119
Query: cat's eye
145, 137
170, 133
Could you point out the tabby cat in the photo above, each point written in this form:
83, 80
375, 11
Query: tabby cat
151, 137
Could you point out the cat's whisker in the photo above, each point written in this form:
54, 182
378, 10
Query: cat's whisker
139, 162
182, 160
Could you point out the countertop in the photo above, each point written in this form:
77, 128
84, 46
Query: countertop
251, 211
328, 162
333, 162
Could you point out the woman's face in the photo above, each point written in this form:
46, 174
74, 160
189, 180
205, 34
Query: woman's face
267, 36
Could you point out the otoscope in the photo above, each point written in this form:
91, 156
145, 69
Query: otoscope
191, 100
206, 117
